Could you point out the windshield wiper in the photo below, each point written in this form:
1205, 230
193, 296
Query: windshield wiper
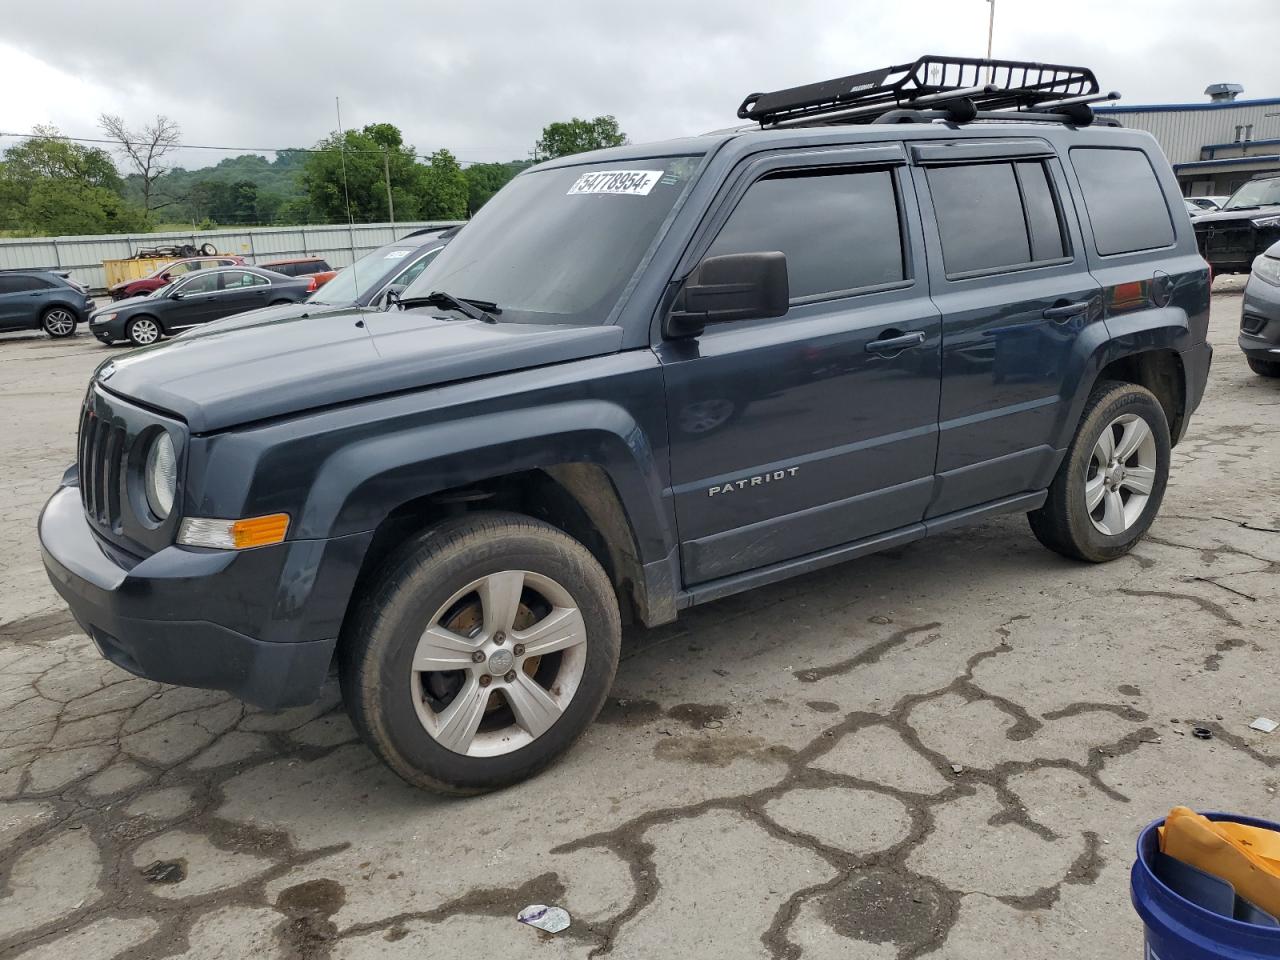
482, 310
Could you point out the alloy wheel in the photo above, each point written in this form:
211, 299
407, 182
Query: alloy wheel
59, 322
498, 663
1121, 474
144, 331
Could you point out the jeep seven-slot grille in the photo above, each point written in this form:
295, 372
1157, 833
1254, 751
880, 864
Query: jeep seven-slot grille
101, 462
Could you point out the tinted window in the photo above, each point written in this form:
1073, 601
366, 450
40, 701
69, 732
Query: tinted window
22, 284
840, 231
206, 283
286, 268
233, 279
1123, 197
980, 217
1043, 222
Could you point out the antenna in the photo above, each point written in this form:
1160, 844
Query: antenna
346, 192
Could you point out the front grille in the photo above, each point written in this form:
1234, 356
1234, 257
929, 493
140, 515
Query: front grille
101, 463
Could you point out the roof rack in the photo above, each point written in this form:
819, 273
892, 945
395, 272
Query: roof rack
957, 89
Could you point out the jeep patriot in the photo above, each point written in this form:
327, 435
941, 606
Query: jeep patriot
641, 379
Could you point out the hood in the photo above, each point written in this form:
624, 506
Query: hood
117, 305
271, 363
1236, 216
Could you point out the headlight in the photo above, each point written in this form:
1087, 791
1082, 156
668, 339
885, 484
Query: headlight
102, 317
160, 476
1268, 269
1266, 221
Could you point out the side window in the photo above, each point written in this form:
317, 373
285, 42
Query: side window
10, 284
1126, 206
995, 215
839, 229
178, 269
415, 269
201, 283
21, 284
237, 279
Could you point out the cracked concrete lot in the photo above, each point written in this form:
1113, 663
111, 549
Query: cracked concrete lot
945, 751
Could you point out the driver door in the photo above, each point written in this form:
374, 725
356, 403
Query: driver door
192, 300
794, 435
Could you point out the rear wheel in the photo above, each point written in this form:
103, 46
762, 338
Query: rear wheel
142, 331
58, 322
481, 651
1111, 482
1264, 368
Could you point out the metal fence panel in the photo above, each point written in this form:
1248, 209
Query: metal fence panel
340, 244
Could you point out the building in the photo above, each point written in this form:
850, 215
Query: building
1214, 146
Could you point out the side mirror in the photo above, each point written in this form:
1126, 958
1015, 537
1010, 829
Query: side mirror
391, 296
737, 286
177, 295
166, 276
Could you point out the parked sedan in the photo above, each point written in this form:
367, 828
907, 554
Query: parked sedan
169, 272
1260, 315
45, 300
204, 296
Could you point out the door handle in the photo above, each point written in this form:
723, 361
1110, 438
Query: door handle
895, 343
1065, 311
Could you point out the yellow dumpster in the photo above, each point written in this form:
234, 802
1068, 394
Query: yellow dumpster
120, 271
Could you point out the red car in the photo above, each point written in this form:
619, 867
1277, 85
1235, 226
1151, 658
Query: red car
154, 281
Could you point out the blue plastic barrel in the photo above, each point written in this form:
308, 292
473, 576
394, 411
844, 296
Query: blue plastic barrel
1177, 929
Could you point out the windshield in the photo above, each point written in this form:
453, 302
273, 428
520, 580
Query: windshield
364, 274
560, 245
1256, 193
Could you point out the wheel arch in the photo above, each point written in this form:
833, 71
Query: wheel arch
577, 498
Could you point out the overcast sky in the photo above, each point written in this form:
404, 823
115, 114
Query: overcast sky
482, 78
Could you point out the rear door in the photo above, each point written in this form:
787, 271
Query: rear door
239, 291
1007, 270
20, 300
793, 435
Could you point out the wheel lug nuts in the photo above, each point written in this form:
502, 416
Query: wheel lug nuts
510, 677
485, 680
518, 649
477, 657
499, 637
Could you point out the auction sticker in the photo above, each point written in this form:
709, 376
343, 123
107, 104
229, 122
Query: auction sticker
625, 182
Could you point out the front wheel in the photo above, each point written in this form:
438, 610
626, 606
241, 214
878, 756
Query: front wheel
480, 652
1110, 484
142, 331
1264, 368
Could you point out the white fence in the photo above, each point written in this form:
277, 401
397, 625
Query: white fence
83, 256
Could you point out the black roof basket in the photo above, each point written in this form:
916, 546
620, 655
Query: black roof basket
958, 89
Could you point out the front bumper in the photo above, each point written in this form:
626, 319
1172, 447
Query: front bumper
260, 624
1260, 320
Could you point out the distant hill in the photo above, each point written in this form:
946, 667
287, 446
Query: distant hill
237, 190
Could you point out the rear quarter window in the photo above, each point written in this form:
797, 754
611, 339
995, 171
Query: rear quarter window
1123, 199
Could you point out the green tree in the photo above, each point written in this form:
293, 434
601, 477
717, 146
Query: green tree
368, 154
486, 179
443, 189
577, 136
49, 185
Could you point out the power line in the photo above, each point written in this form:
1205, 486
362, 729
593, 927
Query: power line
202, 146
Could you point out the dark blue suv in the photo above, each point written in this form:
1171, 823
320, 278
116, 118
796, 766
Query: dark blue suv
45, 300
642, 379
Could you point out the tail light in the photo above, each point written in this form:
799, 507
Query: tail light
312, 287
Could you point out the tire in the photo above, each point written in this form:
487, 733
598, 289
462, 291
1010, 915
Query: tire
1065, 523
1264, 368
143, 331
58, 322
208, 250
407, 716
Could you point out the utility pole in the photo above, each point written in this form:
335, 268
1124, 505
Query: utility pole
386, 170
991, 32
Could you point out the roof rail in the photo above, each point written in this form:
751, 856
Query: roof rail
957, 89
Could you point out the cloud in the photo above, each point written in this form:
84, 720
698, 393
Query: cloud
483, 78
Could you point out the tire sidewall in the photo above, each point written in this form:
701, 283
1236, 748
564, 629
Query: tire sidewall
44, 323
427, 581
1129, 399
